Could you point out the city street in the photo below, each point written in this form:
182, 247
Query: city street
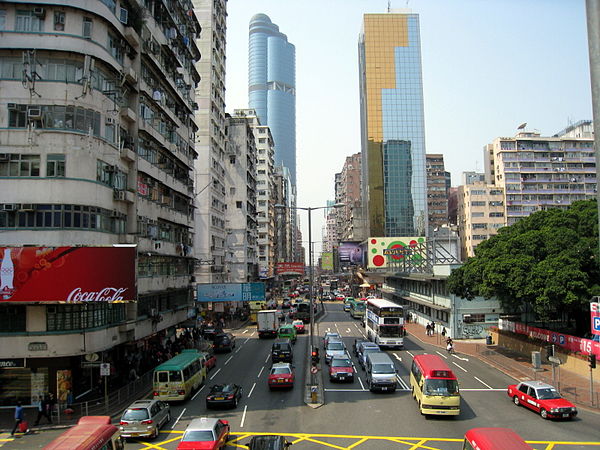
351, 415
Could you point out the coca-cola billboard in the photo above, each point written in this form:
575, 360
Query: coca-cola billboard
67, 274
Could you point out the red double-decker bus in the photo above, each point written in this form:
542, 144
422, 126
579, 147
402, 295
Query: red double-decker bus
90, 433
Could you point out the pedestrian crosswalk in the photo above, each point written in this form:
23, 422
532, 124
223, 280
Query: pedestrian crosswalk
5, 437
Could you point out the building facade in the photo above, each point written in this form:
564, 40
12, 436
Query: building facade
209, 167
96, 149
437, 191
392, 125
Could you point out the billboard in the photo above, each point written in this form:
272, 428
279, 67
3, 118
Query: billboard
67, 274
289, 268
231, 292
384, 250
327, 261
350, 253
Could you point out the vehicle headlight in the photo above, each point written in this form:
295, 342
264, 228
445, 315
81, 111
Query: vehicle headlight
573, 409
554, 410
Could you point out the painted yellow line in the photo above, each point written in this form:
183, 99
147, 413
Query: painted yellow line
159, 445
357, 443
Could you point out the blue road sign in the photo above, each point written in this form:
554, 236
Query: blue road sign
596, 323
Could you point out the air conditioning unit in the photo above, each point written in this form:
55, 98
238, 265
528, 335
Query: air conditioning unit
27, 207
110, 121
12, 106
10, 207
123, 15
34, 113
39, 12
119, 195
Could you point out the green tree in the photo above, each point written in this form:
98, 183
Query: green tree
547, 262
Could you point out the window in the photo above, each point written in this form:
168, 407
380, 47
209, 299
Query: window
27, 21
238, 204
78, 317
55, 165
115, 47
59, 21
12, 318
87, 28
2, 19
17, 165
472, 318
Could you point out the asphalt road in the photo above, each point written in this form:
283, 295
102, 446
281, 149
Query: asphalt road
352, 416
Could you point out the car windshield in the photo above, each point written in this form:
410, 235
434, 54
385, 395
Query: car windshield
341, 363
280, 370
198, 436
383, 368
335, 346
441, 387
280, 347
136, 414
547, 394
370, 350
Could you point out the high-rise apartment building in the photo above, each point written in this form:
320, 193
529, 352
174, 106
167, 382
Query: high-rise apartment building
540, 172
349, 194
437, 190
209, 167
392, 124
96, 150
469, 177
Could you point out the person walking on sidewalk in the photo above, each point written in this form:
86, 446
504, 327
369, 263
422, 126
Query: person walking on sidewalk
42, 411
19, 416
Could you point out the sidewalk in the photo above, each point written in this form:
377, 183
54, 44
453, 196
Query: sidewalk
572, 386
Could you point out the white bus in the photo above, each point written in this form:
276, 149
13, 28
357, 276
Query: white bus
384, 322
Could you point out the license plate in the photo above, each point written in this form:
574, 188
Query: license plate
219, 398
134, 434
281, 381
164, 392
565, 415
384, 389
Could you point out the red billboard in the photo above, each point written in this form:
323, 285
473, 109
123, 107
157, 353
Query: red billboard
289, 268
67, 274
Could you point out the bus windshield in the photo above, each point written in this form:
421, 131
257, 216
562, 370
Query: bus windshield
440, 387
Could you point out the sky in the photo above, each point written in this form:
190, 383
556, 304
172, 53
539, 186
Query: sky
488, 66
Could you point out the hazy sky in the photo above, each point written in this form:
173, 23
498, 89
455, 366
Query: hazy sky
488, 66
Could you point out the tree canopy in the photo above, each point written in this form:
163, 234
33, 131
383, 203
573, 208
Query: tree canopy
548, 260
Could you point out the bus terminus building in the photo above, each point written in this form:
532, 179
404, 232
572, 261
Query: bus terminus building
96, 149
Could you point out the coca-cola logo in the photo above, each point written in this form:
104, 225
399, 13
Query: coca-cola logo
108, 294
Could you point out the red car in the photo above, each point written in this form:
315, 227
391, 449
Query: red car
281, 375
340, 298
341, 369
210, 360
205, 433
542, 398
299, 325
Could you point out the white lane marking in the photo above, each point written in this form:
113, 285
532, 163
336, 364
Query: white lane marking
243, 416
245, 331
250, 393
484, 390
397, 357
261, 369
458, 357
482, 382
410, 353
238, 349
362, 386
215, 374
247, 339
196, 394
173, 427
461, 368
253, 333
402, 383
328, 329
267, 360
347, 330
229, 359
443, 356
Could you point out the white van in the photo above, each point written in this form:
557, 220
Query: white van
381, 372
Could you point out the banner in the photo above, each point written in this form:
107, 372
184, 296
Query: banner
231, 292
327, 261
289, 268
571, 343
350, 253
67, 274
384, 250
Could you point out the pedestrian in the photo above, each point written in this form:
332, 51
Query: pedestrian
70, 398
443, 331
42, 411
428, 329
432, 327
19, 417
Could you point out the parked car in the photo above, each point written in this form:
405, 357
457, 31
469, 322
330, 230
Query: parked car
281, 351
341, 369
300, 328
224, 342
144, 418
224, 395
268, 442
281, 375
542, 398
205, 433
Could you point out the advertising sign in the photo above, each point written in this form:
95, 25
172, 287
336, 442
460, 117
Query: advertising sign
231, 292
350, 253
327, 261
67, 274
595, 316
384, 250
289, 268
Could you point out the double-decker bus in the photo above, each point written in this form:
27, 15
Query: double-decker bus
176, 378
384, 322
358, 308
434, 386
90, 433
494, 439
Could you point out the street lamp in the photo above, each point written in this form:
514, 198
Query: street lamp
310, 266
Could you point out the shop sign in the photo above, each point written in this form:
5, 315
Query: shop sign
37, 346
11, 363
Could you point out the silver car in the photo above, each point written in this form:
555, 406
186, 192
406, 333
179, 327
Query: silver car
144, 418
364, 350
334, 347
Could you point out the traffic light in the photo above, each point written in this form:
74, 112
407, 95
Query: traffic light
592, 361
549, 351
315, 355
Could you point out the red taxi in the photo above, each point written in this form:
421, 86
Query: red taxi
542, 398
299, 325
281, 375
341, 369
205, 433
340, 297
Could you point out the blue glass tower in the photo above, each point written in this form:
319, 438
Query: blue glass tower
272, 87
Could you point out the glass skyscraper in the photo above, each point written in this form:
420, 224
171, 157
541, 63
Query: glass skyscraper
272, 87
392, 123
